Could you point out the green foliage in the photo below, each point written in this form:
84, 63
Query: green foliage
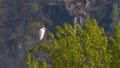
87, 48
117, 33
115, 48
32, 63
41, 63
94, 43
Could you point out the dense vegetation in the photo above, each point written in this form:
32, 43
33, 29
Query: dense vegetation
89, 47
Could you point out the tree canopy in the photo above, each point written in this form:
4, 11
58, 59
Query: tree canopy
89, 47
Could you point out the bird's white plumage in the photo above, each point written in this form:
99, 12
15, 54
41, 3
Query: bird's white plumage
41, 33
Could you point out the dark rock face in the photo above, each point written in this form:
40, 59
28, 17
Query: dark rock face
16, 18
57, 14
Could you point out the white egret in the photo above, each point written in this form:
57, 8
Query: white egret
41, 33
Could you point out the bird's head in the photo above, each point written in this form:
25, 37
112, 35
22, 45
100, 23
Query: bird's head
43, 28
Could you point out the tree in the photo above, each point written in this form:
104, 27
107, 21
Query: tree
87, 48
115, 48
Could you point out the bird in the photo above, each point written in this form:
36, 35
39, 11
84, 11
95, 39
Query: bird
41, 33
